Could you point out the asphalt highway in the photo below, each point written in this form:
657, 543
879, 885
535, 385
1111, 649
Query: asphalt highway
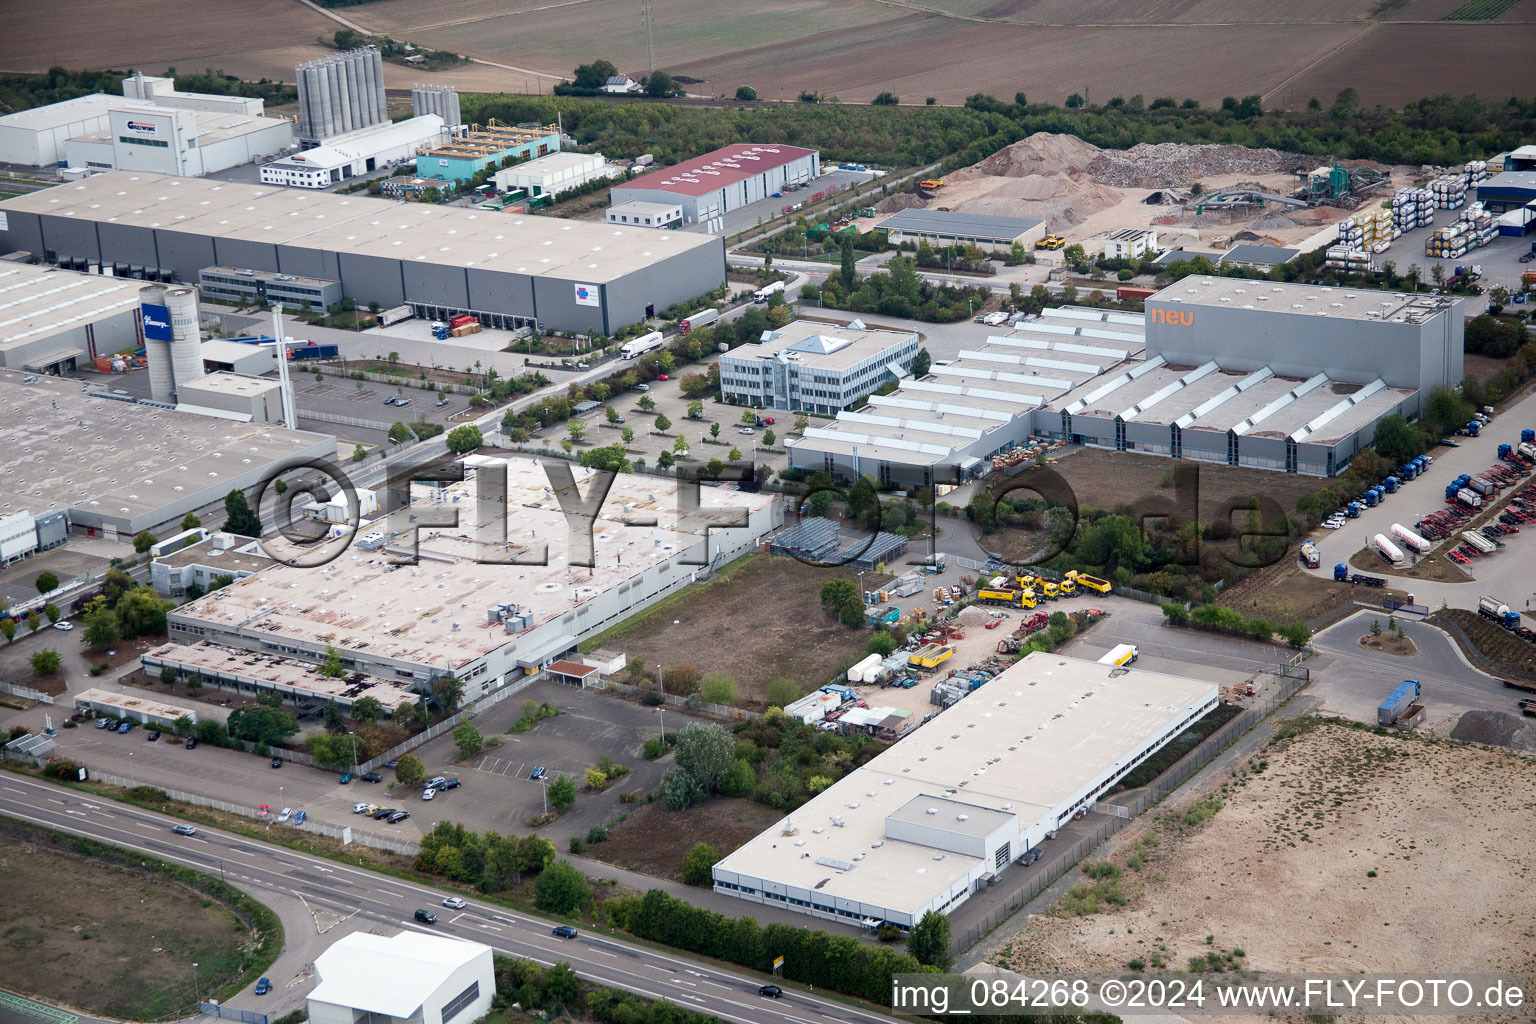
261, 870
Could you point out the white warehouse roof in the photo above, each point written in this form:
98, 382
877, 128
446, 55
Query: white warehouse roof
389, 976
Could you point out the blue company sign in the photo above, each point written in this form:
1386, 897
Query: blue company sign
157, 322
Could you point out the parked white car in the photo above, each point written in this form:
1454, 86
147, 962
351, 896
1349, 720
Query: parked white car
287, 813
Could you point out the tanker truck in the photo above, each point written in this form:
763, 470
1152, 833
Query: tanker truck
1409, 538
1498, 611
1391, 552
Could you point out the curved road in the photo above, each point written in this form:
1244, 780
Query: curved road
261, 869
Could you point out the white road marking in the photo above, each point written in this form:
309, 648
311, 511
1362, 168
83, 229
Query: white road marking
494, 927
605, 952
53, 801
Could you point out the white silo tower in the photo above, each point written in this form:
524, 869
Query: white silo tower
172, 363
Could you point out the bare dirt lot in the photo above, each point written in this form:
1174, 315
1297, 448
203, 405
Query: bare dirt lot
653, 839
105, 939
1343, 823
755, 623
1284, 593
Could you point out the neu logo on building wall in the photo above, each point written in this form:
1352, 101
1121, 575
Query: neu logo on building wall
1172, 317
142, 126
157, 322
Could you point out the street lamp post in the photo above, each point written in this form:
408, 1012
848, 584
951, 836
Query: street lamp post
196, 987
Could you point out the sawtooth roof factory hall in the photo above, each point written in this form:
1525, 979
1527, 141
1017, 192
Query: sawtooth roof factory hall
509, 269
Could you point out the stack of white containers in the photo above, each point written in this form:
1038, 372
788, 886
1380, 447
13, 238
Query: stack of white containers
1369, 230
1482, 225
1342, 257
1412, 208
1475, 171
1450, 191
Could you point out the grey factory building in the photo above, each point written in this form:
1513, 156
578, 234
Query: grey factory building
117, 466
52, 321
1285, 377
509, 270
815, 367
947, 227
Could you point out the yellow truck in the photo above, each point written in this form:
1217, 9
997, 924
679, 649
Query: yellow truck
931, 656
1051, 242
1067, 587
1091, 582
1000, 591
1050, 590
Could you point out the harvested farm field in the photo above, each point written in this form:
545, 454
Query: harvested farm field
760, 619
653, 839
1205, 49
1344, 823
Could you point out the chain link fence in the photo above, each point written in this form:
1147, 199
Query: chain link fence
343, 832
1126, 807
230, 1013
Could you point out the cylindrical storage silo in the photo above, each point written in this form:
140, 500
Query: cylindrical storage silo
353, 106
186, 342
336, 74
380, 106
162, 382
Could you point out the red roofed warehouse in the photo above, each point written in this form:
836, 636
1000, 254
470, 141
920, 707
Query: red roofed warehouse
714, 184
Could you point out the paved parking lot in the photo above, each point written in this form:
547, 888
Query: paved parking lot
1500, 259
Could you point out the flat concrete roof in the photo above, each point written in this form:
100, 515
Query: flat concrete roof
135, 704
435, 612
641, 206
206, 552
822, 346
70, 450
1310, 300
213, 126
38, 301
393, 229
269, 670
249, 274
225, 383
1023, 744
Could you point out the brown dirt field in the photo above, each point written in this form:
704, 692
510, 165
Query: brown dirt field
121, 945
1398, 646
755, 624
653, 839
1484, 368
1384, 65
1284, 593
1499, 651
1313, 818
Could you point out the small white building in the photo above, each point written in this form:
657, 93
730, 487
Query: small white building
233, 396
408, 979
1130, 244
18, 537
357, 152
639, 213
621, 83
203, 561
553, 174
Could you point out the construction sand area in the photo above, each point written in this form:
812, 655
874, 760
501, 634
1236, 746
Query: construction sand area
1084, 192
1336, 851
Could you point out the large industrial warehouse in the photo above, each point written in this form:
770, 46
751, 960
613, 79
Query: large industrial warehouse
506, 269
52, 321
710, 186
1286, 377
943, 812
458, 611
118, 466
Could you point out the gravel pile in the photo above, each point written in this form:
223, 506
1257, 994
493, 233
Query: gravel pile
1495, 728
1172, 164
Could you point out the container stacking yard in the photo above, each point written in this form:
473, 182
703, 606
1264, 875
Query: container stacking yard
944, 811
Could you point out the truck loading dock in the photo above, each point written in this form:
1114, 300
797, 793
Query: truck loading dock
946, 809
507, 270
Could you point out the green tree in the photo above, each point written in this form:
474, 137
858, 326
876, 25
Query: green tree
465, 439
646, 404
885, 99
595, 778
468, 739
705, 752
143, 541
331, 667
782, 691
881, 643
714, 430
333, 717
141, 612
848, 260
8, 628
929, 941
698, 864
660, 85
269, 726
367, 709
409, 770
562, 793
399, 433
835, 593
769, 437
560, 988
1396, 439
561, 889
348, 39
169, 676
45, 662
611, 413
100, 629
719, 689
46, 582
190, 521
662, 423
734, 455
627, 435
679, 790
680, 445
746, 93
449, 692
358, 453
238, 517
32, 620
575, 429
